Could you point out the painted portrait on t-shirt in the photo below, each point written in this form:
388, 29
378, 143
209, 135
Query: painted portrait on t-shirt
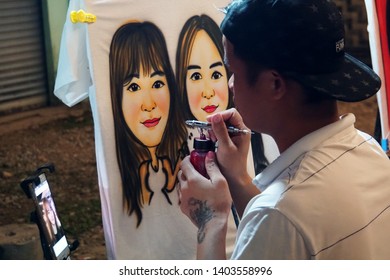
149, 132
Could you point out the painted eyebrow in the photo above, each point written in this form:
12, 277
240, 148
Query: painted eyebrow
219, 63
190, 67
157, 73
135, 75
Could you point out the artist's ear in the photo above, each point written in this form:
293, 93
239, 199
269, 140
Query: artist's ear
278, 84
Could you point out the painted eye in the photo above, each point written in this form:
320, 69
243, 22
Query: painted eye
196, 76
133, 87
158, 84
216, 75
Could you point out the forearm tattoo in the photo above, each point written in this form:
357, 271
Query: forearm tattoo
200, 214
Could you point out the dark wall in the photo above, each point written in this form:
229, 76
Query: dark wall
356, 35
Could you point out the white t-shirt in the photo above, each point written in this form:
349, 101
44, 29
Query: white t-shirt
83, 72
326, 197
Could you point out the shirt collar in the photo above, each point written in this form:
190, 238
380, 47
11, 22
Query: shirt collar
300, 147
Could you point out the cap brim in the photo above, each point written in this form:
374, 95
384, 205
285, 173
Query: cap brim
353, 82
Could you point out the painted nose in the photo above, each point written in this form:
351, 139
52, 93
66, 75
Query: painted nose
148, 105
148, 108
208, 92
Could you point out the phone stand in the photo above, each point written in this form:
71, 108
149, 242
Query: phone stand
25, 185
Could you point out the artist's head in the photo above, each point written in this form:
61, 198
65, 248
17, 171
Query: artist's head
301, 39
201, 74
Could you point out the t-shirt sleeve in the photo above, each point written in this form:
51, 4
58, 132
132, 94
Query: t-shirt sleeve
266, 234
73, 74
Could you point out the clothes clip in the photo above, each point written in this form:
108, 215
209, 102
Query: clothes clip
81, 16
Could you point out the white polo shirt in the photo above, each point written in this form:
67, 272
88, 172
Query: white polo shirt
326, 197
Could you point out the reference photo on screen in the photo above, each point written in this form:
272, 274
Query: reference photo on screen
55, 241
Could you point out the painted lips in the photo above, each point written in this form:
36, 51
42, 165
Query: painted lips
151, 122
210, 109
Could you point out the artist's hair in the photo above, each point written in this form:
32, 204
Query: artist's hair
184, 48
135, 45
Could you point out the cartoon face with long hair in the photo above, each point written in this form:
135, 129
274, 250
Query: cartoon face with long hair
145, 105
150, 133
202, 77
201, 74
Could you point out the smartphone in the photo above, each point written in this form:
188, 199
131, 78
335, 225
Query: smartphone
54, 240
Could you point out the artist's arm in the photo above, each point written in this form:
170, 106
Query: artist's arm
207, 203
232, 156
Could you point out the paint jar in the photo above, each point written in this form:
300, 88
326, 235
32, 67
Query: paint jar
202, 145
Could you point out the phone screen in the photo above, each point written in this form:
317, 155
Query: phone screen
48, 217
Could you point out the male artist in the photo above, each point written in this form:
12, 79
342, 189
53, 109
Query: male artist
328, 194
